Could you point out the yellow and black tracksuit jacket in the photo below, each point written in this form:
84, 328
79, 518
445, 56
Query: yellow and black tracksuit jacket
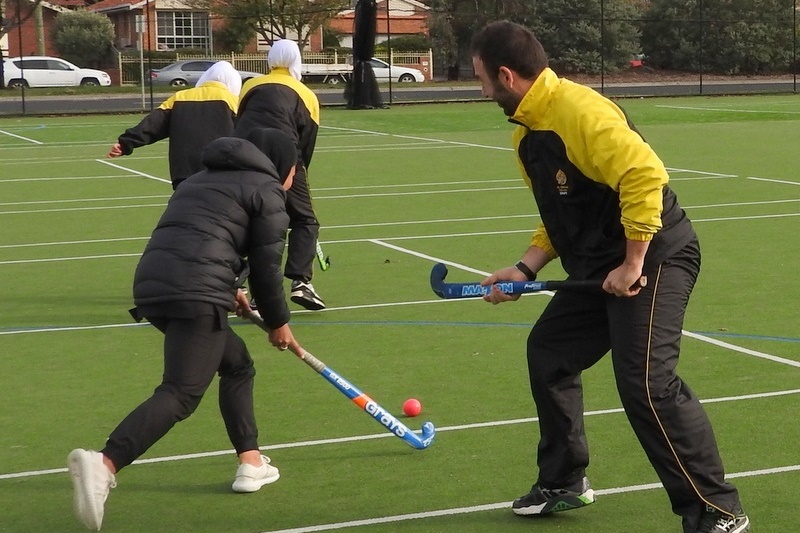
191, 118
595, 180
278, 100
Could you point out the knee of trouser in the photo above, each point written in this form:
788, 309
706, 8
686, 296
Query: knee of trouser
247, 371
184, 402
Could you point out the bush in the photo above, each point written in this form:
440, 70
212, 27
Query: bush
83, 37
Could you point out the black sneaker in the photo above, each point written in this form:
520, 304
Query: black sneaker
541, 500
303, 294
253, 305
715, 521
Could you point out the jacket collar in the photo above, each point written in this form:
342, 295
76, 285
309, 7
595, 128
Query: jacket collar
535, 103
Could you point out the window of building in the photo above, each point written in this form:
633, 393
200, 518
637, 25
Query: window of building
183, 29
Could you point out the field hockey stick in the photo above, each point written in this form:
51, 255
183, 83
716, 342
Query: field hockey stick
324, 262
473, 290
370, 406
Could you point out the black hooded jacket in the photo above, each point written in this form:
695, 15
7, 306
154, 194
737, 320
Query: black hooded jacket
235, 209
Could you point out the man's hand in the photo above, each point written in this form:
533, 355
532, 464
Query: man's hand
624, 281
504, 274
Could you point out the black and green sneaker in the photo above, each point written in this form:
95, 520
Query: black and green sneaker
542, 500
716, 521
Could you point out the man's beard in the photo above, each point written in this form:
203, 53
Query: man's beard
508, 101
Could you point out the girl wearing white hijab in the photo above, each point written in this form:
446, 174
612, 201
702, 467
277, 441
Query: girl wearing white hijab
280, 100
224, 73
286, 54
191, 118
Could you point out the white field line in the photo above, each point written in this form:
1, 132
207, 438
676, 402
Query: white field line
428, 257
115, 198
50, 160
66, 178
502, 505
67, 209
144, 175
76, 200
426, 139
331, 197
785, 182
697, 336
60, 144
701, 172
383, 434
725, 110
20, 137
66, 243
337, 241
735, 348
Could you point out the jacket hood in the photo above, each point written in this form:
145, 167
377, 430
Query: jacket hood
233, 153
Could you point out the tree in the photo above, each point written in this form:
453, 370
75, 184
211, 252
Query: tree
276, 19
11, 19
83, 37
604, 37
726, 36
453, 22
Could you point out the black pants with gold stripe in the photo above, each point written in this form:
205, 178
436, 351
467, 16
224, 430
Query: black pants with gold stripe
643, 333
304, 228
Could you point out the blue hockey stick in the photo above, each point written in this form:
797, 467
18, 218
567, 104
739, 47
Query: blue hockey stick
474, 290
370, 406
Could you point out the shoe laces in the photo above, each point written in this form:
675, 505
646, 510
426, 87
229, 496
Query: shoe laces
715, 521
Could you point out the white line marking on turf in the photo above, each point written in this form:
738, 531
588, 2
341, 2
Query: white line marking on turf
428, 257
20, 137
757, 111
427, 139
785, 182
383, 434
66, 178
78, 258
747, 351
144, 175
76, 200
67, 209
504, 505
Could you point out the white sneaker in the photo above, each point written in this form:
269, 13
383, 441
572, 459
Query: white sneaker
91, 480
250, 478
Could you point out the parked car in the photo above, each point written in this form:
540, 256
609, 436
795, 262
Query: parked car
185, 73
43, 71
401, 74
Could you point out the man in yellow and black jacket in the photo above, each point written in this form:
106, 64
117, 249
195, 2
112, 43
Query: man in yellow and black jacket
280, 100
191, 118
608, 214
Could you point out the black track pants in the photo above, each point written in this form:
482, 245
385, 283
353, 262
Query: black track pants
304, 229
643, 333
194, 350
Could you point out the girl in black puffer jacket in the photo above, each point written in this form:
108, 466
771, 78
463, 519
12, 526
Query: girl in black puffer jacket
219, 224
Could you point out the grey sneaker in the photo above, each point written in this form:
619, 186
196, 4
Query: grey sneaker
715, 521
91, 481
250, 478
541, 500
303, 294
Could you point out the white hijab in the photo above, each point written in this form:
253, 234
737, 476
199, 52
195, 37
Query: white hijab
223, 72
285, 53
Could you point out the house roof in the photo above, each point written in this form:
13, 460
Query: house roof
105, 6
53, 6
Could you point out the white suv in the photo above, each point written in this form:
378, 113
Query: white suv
41, 71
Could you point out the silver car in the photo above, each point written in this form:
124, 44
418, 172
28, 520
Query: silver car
186, 73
